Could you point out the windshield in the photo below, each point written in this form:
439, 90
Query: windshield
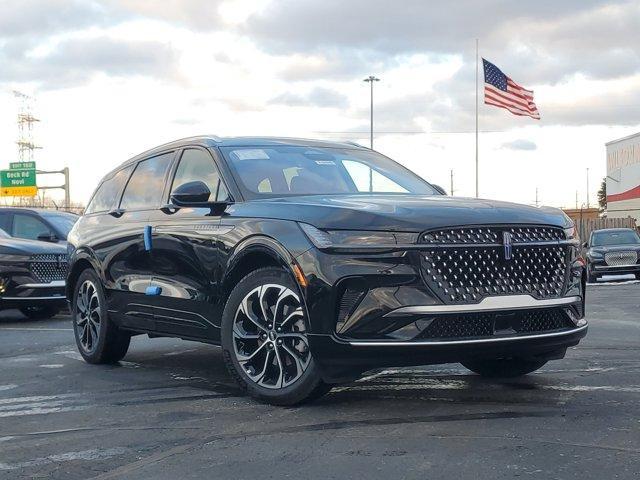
63, 222
620, 237
272, 171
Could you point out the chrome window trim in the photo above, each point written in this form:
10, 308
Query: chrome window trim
488, 304
392, 343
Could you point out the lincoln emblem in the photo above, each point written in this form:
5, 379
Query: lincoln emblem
508, 247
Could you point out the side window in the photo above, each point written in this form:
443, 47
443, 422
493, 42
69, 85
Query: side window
145, 186
28, 226
198, 165
5, 218
105, 196
368, 180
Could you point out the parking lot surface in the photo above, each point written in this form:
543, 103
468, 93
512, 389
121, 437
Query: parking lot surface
169, 411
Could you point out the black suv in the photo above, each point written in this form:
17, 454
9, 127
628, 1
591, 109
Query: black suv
613, 251
37, 223
311, 262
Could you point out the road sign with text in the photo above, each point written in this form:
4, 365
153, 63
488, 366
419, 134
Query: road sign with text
18, 182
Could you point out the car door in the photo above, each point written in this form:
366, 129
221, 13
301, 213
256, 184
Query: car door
185, 253
125, 253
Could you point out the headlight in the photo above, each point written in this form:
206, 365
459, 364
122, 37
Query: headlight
570, 233
355, 238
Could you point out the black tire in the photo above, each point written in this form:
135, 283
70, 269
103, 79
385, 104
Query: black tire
278, 360
503, 368
40, 312
108, 343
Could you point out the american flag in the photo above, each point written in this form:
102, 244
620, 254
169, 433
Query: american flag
501, 91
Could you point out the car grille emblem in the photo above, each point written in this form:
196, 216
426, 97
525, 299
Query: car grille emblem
507, 244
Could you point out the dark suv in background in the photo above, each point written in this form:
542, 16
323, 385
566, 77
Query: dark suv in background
37, 224
613, 251
311, 262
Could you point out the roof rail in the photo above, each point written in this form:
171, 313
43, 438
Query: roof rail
355, 144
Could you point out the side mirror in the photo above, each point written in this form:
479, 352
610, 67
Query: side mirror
47, 237
191, 194
585, 244
196, 195
440, 190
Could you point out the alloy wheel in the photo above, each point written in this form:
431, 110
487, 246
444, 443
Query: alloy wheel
87, 315
269, 336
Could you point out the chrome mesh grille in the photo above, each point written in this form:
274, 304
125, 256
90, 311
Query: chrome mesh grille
49, 267
473, 265
474, 325
488, 235
618, 259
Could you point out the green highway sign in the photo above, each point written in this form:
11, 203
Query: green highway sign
18, 178
22, 165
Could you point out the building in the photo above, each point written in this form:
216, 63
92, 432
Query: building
582, 214
623, 177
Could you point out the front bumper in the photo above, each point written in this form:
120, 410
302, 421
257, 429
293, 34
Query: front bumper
385, 325
604, 269
345, 359
26, 294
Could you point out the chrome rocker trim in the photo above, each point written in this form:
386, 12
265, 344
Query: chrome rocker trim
488, 304
28, 299
392, 343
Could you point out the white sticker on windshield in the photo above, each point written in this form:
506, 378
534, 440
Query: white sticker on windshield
325, 162
251, 154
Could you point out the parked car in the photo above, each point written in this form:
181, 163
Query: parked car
37, 224
312, 262
613, 251
32, 276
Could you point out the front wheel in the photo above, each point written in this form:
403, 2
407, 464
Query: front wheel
504, 368
98, 339
264, 340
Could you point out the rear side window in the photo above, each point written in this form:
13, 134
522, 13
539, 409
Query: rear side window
105, 196
198, 165
146, 185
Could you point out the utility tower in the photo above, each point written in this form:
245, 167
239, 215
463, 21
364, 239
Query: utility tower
26, 121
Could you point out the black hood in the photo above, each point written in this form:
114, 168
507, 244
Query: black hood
410, 213
19, 246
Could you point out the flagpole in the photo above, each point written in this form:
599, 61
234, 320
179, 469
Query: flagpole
477, 192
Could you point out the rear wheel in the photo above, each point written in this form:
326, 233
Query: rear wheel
505, 368
264, 340
97, 338
39, 312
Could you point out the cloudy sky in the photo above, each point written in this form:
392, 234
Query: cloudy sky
112, 78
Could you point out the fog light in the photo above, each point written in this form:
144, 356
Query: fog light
3, 285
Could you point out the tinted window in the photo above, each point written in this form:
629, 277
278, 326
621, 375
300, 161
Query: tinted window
145, 186
105, 196
298, 170
64, 222
198, 165
29, 226
620, 237
4, 221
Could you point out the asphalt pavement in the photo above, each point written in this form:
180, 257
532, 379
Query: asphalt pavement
170, 411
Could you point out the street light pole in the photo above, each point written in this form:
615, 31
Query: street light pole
370, 79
